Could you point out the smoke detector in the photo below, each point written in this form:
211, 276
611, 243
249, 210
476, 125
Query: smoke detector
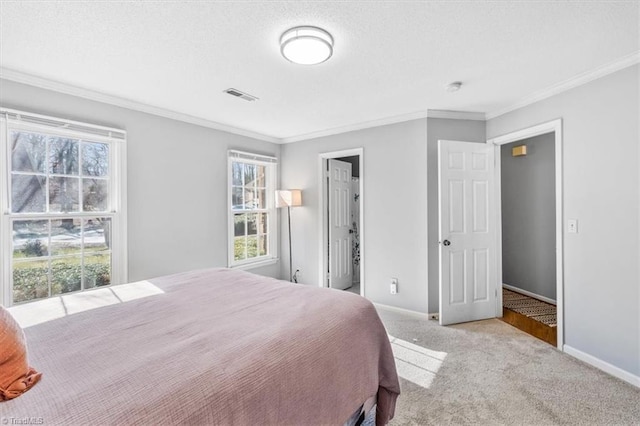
454, 87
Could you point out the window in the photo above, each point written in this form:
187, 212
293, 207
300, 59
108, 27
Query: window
62, 195
252, 216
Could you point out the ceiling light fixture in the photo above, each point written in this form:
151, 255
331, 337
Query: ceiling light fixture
454, 87
306, 45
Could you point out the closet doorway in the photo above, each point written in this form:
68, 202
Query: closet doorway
529, 167
342, 254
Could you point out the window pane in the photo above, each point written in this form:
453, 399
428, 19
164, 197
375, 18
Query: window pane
66, 275
236, 173
239, 248
66, 237
63, 194
250, 175
28, 193
97, 234
30, 238
97, 270
95, 159
95, 194
252, 247
28, 152
252, 227
236, 198
249, 199
261, 223
261, 199
262, 245
261, 178
240, 225
63, 156
30, 280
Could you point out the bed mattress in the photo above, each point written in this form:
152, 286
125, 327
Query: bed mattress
214, 346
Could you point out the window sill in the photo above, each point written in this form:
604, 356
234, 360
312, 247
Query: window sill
253, 265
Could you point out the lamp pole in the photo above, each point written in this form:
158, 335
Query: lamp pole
290, 253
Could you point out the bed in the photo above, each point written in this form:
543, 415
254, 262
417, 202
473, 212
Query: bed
214, 346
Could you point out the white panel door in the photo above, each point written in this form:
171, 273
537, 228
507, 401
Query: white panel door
468, 268
340, 270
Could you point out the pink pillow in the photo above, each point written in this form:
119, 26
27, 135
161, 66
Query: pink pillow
16, 377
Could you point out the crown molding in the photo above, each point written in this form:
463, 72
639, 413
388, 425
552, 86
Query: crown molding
432, 113
68, 89
356, 126
578, 80
456, 115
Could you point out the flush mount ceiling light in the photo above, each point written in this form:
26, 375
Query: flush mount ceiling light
306, 45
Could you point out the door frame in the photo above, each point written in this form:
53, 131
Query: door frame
323, 231
554, 126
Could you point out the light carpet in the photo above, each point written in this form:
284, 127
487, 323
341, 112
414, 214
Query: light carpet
490, 373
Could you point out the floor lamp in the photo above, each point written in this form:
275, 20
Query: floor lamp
289, 198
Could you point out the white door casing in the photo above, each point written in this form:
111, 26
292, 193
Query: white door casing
467, 231
554, 126
340, 268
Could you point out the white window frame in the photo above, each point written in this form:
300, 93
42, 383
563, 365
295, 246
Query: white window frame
271, 171
10, 120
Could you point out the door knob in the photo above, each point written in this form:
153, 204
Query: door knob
446, 243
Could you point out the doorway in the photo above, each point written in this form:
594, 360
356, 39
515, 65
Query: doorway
530, 230
527, 192
342, 225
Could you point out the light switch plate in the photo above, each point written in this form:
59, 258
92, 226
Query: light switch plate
572, 224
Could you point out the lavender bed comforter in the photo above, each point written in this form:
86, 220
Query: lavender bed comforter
217, 346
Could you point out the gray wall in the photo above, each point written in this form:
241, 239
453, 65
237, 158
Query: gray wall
529, 216
395, 206
445, 129
602, 191
400, 192
177, 180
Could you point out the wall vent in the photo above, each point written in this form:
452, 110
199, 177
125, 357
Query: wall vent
238, 94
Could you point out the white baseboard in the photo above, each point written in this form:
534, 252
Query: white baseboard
421, 315
528, 293
603, 365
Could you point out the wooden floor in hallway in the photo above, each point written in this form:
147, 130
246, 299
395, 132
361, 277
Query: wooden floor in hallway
530, 315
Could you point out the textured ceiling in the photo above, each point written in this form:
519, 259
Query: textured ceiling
391, 58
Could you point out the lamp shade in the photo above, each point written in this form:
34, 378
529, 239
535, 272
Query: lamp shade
288, 198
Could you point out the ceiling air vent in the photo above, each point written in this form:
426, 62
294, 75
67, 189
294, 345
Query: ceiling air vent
241, 95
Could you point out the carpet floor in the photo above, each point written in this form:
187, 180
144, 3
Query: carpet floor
490, 373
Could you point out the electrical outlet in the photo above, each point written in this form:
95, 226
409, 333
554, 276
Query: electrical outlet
394, 286
573, 226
